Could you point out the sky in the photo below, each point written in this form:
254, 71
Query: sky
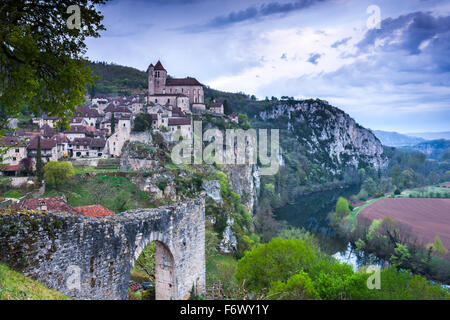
386, 63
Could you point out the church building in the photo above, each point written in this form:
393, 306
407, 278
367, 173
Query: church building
182, 93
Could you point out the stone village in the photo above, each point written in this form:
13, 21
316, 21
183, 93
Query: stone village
100, 128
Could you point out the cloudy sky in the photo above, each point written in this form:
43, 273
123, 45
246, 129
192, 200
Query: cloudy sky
391, 73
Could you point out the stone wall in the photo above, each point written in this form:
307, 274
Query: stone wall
89, 258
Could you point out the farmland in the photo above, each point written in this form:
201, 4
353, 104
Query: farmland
426, 218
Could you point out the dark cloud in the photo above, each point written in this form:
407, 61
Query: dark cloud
340, 42
313, 57
252, 13
406, 32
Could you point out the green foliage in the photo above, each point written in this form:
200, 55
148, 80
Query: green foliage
342, 208
376, 223
17, 194
370, 186
58, 173
41, 59
15, 286
402, 285
277, 260
438, 247
39, 163
115, 80
297, 287
362, 195
112, 192
243, 121
113, 123
299, 234
336, 281
142, 122
146, 261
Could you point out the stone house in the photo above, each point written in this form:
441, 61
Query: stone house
182, 124
216, 108
16, 152
49, 149
44, 119
121, 135
87, 147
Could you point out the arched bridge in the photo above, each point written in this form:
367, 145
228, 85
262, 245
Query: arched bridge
90, 258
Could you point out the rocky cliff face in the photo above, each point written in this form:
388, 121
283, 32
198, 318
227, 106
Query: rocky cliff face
328, 136
244, 180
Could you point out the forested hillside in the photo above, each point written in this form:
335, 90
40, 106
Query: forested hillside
116, 80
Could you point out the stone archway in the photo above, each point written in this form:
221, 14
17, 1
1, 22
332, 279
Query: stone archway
164, 267
164, 273
89, 258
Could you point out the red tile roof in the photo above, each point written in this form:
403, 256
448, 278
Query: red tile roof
13, 168
95, 211
9, 141
46, 144
182, 82
53, 203
179, 121
76, 129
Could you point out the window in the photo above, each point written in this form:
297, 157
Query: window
17, 150
14, 158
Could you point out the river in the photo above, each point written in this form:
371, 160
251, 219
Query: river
311, 213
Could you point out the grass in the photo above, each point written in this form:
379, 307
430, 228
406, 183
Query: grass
424, 192
115, 193
354, 213
15, 286
15, 193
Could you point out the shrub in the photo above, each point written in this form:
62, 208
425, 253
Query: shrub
57, 173
342, 207
297, 287
276, 260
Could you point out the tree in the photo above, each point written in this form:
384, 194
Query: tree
146, 261
41, 57
243, 121
142, 122
370, 186
276, 260
113, 123
438, 247
342, 208
26, 165
297, 287
58, 173
227, 108
39, 164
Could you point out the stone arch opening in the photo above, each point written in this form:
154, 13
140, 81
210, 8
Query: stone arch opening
155, 261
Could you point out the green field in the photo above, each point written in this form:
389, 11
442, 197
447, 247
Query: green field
433, 191
354, 213
15, 286
115, 193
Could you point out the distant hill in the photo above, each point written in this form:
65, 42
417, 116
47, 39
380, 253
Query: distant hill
116, 80
395, 139
431, 135
433, 149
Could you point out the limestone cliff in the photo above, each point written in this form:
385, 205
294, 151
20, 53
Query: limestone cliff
327, 135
